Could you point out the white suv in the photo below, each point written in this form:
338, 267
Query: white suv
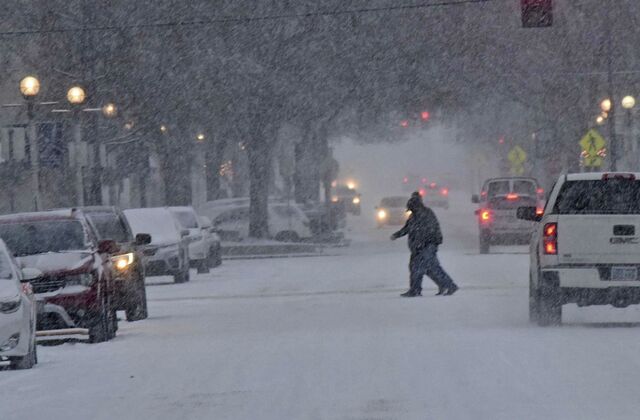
586, 248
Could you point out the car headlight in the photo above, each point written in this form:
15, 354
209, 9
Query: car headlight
83, 279
10, 305
382, 214
356, 200
122, 262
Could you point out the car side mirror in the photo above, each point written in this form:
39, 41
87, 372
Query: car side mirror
30, 273
108, 246
143, 239
475, 199
184, 233
528, 213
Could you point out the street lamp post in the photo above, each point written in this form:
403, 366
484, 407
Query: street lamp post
76, 97
608, 109
30, 87
628, 102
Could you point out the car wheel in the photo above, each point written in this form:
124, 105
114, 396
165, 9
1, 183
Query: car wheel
99, 330
182, 277
28, 360
215, 258
534, 304
203, 266
485, 243
550, 306
137, 308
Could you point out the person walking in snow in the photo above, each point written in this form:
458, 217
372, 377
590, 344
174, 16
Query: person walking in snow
425, 236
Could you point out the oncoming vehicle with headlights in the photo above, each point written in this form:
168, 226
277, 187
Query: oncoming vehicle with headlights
130, 294
392, 211
17, 313
349, 197
77, 285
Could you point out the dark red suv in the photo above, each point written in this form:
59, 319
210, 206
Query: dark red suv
78, 281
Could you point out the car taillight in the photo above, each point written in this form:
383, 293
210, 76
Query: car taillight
539, 211
422, 192
550, 239
485, 216
444, 191
512, 196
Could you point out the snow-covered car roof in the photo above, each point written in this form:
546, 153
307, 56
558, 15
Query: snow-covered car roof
595, 176
63, 214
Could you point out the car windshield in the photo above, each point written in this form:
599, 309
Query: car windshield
109, 226
498, 188
614, 196
524, 187
187, 219
30, 238
155, 221
394, 202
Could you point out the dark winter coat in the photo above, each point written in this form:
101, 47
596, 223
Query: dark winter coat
422, 227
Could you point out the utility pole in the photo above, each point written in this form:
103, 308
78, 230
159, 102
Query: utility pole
611, 119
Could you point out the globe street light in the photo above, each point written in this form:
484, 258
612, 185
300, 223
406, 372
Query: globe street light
29, 87
163, 128
109, 110
628, 102
599, 120
200, 137
76, 95
605, 105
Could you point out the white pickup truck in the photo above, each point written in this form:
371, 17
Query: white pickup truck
586, 247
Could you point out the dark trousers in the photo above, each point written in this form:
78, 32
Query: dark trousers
425, 262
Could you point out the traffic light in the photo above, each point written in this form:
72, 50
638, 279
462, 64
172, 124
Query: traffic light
537, 13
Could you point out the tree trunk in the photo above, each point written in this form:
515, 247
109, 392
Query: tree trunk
215, 157
259, 172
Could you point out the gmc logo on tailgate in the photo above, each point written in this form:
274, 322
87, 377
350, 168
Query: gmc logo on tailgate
624, 241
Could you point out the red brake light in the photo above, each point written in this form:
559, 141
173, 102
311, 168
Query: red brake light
550, 239
432, 185
539, 211
540, 191
512, 196
422, 192
444, 191
485, 216
424, 180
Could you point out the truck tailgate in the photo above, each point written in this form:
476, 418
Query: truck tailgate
599, 239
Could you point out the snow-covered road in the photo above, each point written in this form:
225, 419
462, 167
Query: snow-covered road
329, 338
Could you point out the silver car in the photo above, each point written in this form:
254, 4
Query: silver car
17, 313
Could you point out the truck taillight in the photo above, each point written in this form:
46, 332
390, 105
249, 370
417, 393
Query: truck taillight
550, 239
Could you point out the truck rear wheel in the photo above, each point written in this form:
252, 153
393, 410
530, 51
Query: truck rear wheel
485, 243
549, 306
534, 304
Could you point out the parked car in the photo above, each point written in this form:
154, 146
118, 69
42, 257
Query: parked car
435, 195
348, 197
392, 211
202, 243
17, 313
498, 203
585, 248
230, 217
168, 252
130, 293
77, 283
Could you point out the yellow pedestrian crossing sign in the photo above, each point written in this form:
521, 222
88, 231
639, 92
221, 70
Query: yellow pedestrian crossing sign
517, 156
593, 145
